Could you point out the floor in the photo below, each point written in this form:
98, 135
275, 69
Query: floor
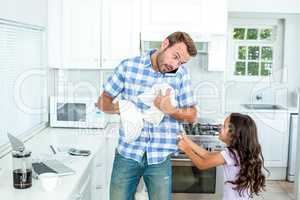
275, 190
278, 190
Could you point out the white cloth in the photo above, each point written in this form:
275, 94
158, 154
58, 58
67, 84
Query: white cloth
132, 118
153, 114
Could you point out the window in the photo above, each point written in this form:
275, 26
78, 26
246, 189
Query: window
255, 48
23, 80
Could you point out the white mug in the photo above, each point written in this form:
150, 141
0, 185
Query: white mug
49, 181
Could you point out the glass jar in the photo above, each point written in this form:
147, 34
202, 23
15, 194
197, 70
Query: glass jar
22, 169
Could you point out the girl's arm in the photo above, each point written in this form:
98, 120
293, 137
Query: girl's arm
195, 147
208, 160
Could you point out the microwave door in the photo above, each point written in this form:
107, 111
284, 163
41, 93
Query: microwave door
71, 112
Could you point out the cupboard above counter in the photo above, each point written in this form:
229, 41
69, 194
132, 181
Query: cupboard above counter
201, 16
99, 34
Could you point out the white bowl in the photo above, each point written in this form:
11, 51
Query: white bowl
49, 181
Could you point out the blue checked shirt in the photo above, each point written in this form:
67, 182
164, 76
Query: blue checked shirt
131, 78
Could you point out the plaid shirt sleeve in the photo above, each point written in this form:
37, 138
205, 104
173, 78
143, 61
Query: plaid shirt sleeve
186, 96
115, 83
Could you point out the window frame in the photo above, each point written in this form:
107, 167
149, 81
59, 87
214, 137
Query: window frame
277, 46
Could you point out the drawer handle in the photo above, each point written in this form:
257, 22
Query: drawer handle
99, 187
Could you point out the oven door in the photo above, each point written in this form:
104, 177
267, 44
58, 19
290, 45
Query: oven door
190, 182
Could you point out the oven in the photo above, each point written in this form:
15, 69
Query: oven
188, 182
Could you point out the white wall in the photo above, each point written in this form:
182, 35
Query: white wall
270, 6
208, 89
27, 11
291, 56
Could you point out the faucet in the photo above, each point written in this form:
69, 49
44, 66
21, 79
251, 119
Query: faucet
259, 97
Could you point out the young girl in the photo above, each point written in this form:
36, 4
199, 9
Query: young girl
242, 158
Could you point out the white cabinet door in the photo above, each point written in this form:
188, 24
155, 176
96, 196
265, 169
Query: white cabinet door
214, 16
273, 137
120, 31
54, 33
81, 33
112, 143
201, 16
83, 190
217, 49
171, 15
99, 172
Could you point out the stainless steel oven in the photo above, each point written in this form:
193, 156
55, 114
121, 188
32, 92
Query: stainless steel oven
188, 182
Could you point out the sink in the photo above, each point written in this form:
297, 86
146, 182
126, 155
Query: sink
263, 106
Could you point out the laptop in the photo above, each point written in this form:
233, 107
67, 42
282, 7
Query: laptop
53, 165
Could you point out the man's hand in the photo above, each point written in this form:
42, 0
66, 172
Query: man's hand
105, 103
163, 102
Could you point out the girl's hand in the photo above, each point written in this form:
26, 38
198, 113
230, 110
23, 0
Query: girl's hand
183, 144
185, 138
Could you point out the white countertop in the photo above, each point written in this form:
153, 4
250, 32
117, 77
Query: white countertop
39, 145
240, 108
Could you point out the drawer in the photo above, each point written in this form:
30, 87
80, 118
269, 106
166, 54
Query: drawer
99, 193
99, 176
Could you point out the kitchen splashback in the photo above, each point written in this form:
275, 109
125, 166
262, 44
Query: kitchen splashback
208, 88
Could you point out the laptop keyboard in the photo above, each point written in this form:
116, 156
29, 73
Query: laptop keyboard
40, 168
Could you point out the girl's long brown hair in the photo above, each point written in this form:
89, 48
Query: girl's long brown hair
247, 153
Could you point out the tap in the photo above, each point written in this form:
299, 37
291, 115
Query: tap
259, 97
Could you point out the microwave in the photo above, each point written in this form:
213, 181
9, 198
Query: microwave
76, 112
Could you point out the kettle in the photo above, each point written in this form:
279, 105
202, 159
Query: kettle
22, 169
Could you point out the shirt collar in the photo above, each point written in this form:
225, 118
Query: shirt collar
146, 57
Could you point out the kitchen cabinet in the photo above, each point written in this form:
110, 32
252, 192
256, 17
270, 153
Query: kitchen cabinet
54, 36
214, 16
120, 31
99, 189
112, 143
102, 165
81, 33
83, 189
273, 137
74, 34
201, 16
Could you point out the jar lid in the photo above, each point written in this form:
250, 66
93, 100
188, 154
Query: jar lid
21, 154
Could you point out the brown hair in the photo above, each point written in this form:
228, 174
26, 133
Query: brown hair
246, 151
178, 37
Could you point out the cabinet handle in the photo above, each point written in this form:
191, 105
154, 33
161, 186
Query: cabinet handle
99, 165
99, 187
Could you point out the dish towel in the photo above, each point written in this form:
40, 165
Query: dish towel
153, 115
132, 119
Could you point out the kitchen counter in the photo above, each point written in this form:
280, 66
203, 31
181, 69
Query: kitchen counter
91, 139
240, 108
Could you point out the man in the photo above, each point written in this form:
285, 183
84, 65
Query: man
149, 155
